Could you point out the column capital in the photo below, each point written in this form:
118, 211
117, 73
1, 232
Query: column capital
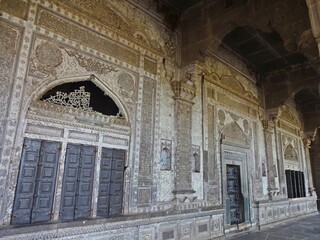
274, 118
184, 89
268, 126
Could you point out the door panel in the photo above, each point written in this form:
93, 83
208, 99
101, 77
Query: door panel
46, 182
85, 180
70, 184
77, 182
111, 182
36, 182
235, 194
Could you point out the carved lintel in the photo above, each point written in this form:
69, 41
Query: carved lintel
185, 90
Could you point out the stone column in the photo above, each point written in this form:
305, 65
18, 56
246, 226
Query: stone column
184, 91
280, 163
268, 131
314, 15
307, 145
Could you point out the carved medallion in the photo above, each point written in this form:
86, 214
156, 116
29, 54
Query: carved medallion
126, 84
49, 54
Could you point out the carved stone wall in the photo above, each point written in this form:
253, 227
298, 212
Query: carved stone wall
10, 41
133, 58
146, 144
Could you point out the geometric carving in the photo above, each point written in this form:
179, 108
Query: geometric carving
290, 153
78, 99
144, 195
147, 128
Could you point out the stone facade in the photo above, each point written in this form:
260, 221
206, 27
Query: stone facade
169, 119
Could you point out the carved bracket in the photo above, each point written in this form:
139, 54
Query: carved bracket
184, 90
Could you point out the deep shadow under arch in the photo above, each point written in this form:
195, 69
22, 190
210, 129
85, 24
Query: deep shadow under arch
99, 101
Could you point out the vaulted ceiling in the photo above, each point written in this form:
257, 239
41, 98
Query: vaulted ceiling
273, 38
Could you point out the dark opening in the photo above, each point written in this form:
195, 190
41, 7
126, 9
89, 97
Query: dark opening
295, 184
99, 101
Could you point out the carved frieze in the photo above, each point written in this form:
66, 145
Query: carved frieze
98, 10
17, 8
49, 112
75, 32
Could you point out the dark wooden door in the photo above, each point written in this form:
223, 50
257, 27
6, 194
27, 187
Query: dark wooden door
77, 182
111, 182
234, 194
36, 182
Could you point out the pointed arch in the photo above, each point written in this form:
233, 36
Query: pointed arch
232, 134
48, 85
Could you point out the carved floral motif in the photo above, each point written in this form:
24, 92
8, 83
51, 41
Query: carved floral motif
91, 64
48, 56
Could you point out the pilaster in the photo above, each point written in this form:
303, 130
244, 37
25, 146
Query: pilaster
268, 128
184, 92
307, 145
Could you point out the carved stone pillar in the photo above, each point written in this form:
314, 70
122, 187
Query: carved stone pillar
314, 15
184, 93
307, 145
280, 163
268, 131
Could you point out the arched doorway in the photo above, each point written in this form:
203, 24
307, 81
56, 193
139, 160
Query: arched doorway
76, 141
234, 152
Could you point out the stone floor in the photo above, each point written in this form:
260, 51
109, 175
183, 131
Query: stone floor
303, 228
